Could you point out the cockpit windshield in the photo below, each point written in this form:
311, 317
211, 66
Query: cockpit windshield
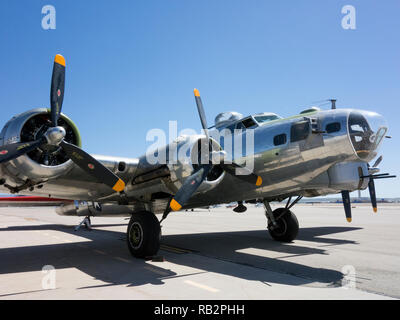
266, 118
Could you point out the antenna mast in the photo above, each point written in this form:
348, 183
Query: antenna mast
333, 101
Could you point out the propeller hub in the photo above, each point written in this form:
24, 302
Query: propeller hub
55, 135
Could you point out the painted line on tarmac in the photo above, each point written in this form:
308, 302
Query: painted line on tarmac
31, 219
122, 259
174, 249
201, 286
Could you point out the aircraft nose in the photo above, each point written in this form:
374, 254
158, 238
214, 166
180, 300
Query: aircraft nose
366, 132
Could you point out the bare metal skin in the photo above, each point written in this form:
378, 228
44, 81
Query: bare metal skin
323, 163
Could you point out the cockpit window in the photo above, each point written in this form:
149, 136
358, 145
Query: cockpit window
266, 118
243, 125
248, 123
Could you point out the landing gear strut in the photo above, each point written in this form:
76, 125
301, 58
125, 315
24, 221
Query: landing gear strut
86, 222
240, 208
282, 223
143, 234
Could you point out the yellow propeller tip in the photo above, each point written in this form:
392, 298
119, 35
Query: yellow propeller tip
119, 186
196, 93
59, 59
175, 205
349, 220
375, 209
259, 181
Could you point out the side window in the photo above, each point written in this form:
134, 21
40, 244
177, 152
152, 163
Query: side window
299, 131
333, 127
280, 139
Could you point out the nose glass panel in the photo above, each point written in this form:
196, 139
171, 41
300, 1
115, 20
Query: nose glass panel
366, 131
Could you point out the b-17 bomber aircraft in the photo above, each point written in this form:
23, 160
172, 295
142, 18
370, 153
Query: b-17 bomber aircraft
315, 153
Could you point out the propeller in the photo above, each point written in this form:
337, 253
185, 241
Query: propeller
371, 184
246, 175
372, 194
200, 109
55, 136
57, 88
347, 204
372, 176
189, 187
14, 150
193, 182
377, 162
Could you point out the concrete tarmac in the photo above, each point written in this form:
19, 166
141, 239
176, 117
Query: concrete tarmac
215, 254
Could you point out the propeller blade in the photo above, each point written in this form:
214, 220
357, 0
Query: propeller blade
200, 109
347, 204
247, 175
372, 194
14, 150
193, 182
377, 162
92, 166
57, 88
189, 187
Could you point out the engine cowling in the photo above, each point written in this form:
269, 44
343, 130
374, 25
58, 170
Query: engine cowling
44, 162
181, 157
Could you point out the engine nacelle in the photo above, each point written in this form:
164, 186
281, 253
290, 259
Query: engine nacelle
182, 158
44, 162
95, 209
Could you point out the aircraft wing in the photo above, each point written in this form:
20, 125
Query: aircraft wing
30, 201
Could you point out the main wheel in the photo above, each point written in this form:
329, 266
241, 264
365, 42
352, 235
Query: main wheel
143, 234
287, 228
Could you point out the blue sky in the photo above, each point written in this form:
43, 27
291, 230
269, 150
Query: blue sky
132, 65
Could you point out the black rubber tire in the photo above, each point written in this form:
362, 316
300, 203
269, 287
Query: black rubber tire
288, 226
143, 234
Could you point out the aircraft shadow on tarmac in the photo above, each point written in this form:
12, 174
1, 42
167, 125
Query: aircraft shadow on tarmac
99, 257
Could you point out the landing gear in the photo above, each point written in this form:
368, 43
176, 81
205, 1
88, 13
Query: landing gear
86, 222
287, 226
282, 223
143, 234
